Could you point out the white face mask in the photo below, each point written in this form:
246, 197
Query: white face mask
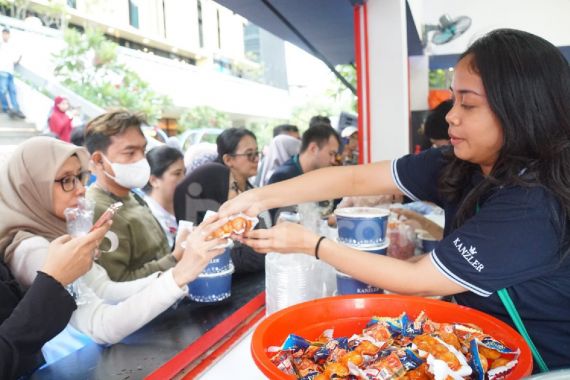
130, 176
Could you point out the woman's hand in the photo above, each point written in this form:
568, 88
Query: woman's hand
247, 202
69, 258
418, 220
284, 237
200, 249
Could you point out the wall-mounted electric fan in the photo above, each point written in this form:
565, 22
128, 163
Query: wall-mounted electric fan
447, 30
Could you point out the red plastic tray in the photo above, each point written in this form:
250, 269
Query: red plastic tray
349, 314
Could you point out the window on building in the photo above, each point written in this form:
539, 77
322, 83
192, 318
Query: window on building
252, 45
72, 3
134, 13
200, 26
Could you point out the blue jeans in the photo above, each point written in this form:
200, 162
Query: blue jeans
7, 86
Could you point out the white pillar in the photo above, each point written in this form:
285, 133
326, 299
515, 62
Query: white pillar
419, 82
383, 76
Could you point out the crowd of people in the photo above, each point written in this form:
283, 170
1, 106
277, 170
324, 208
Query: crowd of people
148, 269
503, 184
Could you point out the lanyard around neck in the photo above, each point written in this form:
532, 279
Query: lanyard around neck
516, 318
297, 163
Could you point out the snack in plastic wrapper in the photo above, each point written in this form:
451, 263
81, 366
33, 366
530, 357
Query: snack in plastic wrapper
398, 348
237, 224
402, 240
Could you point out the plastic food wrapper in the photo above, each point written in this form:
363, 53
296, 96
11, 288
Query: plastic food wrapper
402, 240
398, 348
237, 224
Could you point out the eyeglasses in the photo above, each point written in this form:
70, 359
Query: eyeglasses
251, 156
69, 182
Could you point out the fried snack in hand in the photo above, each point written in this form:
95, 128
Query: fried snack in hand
237, 225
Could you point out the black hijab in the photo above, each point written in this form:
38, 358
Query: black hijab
205, 188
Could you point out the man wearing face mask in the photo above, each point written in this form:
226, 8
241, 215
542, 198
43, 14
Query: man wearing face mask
117, 147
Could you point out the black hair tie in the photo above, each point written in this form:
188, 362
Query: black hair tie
317, 247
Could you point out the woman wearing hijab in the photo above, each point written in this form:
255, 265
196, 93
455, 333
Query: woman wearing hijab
33, 201
59, 123
199, 154
22, 333
282, 148
206, 188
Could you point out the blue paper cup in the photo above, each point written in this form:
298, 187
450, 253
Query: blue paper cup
348, 285
381, 249
219, 263
362, 226
211, 287
427, 242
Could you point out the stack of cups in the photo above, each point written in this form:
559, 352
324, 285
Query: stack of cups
426, 242
362, 228
294, 277
214, 284
291, 279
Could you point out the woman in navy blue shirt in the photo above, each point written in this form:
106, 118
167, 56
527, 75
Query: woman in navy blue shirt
504, 185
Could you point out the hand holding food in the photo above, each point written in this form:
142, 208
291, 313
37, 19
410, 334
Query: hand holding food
247, 203
236, 225
285, 238
199, 249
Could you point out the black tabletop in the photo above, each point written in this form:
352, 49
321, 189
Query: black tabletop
157, 342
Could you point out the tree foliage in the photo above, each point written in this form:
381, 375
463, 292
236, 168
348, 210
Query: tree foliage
208, 117
301, 115
341, 94
18, 8
333, 100
203, 117
89, 66
55, 14
439, 79
263, 130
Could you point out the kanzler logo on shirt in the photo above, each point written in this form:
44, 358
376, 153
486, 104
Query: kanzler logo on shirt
468, 254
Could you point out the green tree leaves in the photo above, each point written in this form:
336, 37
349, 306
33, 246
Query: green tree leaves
89, 66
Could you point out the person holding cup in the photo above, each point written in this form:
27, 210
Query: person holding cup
504, 184
22, 333
36, 194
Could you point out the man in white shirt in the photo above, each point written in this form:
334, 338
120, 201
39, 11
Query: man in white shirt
9, 56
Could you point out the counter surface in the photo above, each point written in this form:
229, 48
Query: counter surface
157, 342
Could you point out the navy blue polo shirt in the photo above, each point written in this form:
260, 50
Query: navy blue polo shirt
289, 169
513, 241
